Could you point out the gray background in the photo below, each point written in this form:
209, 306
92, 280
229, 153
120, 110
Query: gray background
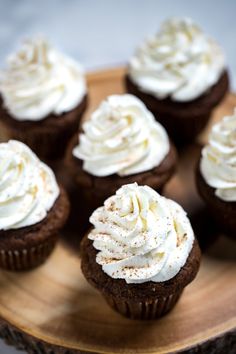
104, 33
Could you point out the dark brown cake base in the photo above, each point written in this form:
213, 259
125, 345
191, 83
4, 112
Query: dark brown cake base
223, 213
48, 138
28, 247
94, 190
183, 120
139, 301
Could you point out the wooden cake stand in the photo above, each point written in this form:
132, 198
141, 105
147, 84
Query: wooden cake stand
54, 310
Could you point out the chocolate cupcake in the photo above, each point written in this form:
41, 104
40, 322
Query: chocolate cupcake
216, 174
180, 75
43, 97
33, 208
121, 143
141, 252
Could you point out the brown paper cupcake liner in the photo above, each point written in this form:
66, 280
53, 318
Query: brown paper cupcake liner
46, 144
144, 310
27, 258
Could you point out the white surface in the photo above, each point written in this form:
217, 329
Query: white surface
105, 33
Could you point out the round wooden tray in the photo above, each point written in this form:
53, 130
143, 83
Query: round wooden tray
54, 310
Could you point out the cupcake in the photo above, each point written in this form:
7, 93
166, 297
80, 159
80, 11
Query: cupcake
33, 208
43, 97
121, 143
216, 174
141, 252
180, 75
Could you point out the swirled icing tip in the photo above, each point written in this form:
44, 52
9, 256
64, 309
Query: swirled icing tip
140, 235
218, 160
121, 137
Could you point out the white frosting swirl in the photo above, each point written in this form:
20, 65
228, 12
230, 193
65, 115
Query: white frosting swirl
121, 137
180, 62
40, 81
141, 236
218, 162
28, 188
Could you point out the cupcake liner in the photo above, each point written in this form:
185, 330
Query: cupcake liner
46, 144
4, 133
27, 258
143, 310
48, 141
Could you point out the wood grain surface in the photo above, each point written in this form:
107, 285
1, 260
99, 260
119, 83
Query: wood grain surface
54, 310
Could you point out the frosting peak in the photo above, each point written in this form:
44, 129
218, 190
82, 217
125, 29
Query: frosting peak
180, 62
218, 162
40, 81
140, 235
28, 188
121, 137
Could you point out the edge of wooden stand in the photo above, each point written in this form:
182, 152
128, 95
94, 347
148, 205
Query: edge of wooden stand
21, 340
